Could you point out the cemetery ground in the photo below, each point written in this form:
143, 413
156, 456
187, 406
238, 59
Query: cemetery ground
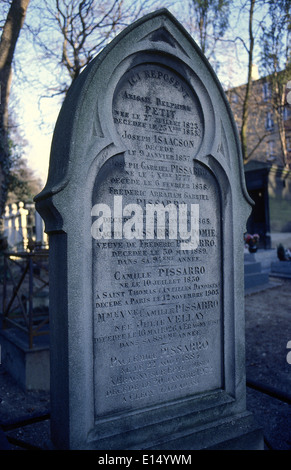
268, 330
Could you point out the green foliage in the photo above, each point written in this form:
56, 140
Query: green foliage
21, 183
20, 188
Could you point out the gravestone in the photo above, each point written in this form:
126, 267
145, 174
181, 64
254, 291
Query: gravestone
254, 275
146, 207
281, 269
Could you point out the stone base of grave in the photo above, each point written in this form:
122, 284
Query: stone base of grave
281, 269
4, 443
30, 367
254, 276
235, 433
239, 432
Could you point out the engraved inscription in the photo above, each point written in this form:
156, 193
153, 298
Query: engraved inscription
157, 308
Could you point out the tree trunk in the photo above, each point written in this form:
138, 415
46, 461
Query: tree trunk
244, 125
279, 106
10, 34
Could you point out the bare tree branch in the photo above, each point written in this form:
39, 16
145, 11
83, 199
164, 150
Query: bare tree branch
80, 29
9, 38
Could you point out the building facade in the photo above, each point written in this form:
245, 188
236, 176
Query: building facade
269, 123
268, 168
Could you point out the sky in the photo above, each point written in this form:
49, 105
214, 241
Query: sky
38, 136
37, 117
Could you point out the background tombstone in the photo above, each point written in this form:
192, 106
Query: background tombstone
147, 339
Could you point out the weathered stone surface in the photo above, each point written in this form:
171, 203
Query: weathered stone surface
281, 268
147, 327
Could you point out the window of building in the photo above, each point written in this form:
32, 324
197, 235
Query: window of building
269, 124
271, 147
286, 113
267, 91
271, 151
234, 98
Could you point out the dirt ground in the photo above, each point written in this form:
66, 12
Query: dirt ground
268, 330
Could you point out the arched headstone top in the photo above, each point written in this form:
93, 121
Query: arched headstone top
146, 206
156, 44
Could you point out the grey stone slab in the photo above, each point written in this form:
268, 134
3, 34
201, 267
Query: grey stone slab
249, 257
251, 268
281, 267
256, 279
147, 327
29, 367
